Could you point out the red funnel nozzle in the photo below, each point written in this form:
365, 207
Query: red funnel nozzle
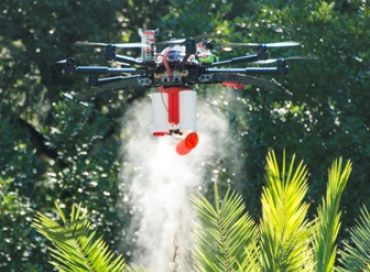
186, 145
181, 148
191, 140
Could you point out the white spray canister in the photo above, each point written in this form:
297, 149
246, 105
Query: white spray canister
160, 125
188, 111
161, 111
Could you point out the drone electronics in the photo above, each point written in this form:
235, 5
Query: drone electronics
180, 65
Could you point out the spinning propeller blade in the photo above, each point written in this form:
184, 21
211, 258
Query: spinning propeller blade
91, 44
287, 59
130, 45
267, 45
116, 45
63, 61
175, 41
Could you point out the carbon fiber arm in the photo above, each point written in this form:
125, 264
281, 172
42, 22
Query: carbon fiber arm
105, 85
271, 85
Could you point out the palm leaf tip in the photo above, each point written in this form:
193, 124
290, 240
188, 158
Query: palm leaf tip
284, 228
328, 217
356, 254
75, 246
223, 232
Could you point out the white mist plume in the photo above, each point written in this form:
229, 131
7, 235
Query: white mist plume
161, 184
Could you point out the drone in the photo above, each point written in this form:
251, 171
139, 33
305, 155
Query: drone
181, 64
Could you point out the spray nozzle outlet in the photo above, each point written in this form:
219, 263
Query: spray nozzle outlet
189, 143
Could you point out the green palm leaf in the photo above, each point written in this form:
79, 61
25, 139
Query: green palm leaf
136, 268
285, 231
222, 234
328, 218
356, 255
75, 246
251, 261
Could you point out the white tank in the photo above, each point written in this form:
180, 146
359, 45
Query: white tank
159, 113
188, 111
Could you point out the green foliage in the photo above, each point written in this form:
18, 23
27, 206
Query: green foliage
287, 240
15, 235
52, 148
57, 149
356, 254
227, 239
328, 218
329, 94
75, 246
224, 232
285, 231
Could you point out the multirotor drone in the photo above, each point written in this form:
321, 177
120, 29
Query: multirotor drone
180, 65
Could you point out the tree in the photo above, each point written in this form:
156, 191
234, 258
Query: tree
76, 246
285, 239
227, 239
53, 148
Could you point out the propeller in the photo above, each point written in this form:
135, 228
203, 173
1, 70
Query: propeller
67, 61
228, 46
287, 59
174, 41
72, 97
63, 61
69, 65
116, 45
80, 55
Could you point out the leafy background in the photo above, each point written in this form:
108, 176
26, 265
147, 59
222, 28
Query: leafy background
52, 148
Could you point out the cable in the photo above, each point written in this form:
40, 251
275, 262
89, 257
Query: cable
161, 90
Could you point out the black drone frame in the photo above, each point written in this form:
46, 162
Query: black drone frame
140, 74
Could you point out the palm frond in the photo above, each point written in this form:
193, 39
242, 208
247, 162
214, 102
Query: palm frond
75, 246
356, 254
328, 219
136, 268
223, 232
285, 231
251, 261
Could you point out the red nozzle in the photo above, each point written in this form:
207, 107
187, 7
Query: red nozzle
181, 148
234, 85
191, 140
189, 143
